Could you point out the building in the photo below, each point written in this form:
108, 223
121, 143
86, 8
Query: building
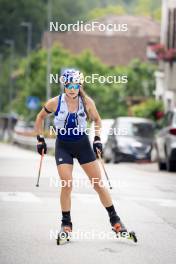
112, 48
166, 75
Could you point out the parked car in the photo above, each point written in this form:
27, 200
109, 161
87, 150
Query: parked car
165, 142
131, 139
23, 127
106, 125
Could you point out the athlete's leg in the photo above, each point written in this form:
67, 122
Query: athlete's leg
65, 173
92, 169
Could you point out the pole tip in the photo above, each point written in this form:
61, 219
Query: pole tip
37, 185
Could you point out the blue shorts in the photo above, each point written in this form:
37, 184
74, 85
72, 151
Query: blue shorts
80, 149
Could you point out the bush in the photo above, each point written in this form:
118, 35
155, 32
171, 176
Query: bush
148, 109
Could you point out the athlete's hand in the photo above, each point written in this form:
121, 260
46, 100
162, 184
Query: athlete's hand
41, 145
97, 146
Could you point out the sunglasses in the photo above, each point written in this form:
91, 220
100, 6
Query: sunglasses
71, 85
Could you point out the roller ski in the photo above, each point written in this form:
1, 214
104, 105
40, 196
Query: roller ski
122, 232
64, 235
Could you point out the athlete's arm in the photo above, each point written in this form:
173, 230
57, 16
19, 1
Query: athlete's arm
94, 116
49, 107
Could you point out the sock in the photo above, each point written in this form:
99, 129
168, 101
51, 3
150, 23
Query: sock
114, 218
66, 218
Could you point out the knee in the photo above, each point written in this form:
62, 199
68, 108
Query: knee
98, 186
66, 186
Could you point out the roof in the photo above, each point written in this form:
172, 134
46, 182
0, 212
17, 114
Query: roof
119, 48
137, 26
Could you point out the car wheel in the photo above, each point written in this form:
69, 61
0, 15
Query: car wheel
106, 154
161, 166
170, 165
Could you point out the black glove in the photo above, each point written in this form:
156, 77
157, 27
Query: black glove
97, 145
41, 145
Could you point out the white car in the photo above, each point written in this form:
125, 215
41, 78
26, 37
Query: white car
131, 140
106, 125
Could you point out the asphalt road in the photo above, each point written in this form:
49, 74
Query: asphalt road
30, 216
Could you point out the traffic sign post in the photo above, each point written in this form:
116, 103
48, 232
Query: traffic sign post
32, 102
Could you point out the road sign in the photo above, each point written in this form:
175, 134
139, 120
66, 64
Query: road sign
32, 102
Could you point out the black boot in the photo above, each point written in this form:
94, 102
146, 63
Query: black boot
115, 221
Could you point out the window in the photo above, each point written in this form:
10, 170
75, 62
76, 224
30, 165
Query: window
137, 129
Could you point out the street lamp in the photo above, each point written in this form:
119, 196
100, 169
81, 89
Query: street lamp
11, 43
48, 71
28, 25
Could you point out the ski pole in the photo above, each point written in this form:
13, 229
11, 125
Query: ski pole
103, 166
40, 166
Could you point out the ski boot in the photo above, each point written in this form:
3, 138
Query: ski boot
64, 235
122, 232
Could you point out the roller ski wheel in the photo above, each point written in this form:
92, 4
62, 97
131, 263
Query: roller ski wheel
121, 232
64, 235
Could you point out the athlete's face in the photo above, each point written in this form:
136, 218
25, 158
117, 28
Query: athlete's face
72, 89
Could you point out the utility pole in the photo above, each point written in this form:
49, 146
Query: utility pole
11, 43
0, 78
28, 25
48, 85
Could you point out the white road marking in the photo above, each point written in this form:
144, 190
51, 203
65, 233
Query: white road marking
161, 202
30, 197
19, 197
168, 203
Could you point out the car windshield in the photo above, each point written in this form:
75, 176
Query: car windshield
138, 129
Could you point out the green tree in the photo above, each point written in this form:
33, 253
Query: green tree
5, 79
105, 95
13, 13
109, 10
109, 97
16, 11
141, 81
148, 109
148, 8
